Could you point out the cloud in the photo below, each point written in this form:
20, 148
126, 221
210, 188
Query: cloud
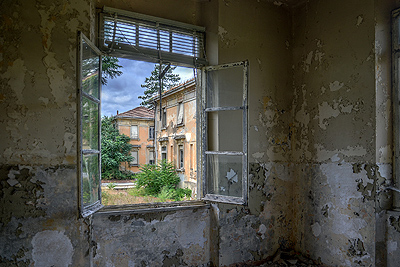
122, 92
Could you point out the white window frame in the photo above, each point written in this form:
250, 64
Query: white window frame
151, 132
134, 136
151, 152
135, 160
181, 157
88, 209
180, 115
164, 118
164, 152
205, 90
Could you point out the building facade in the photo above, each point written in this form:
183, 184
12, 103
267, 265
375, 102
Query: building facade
138, 124
176, 131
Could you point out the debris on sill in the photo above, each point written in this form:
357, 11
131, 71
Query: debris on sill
283, 259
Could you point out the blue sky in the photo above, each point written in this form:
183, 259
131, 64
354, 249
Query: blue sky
122, 92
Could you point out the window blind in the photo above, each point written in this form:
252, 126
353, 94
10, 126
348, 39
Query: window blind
141, 37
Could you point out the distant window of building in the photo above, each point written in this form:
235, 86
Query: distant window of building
151, 132
181, 159
180, 113
163, 153
151, 157
164, 118
135, 160
134, 132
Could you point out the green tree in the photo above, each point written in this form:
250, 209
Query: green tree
151, 84
110, 68
115, 149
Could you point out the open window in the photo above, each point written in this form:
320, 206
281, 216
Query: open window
89, 86
224, 135
221, 100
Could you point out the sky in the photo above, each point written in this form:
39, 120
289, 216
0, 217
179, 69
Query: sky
122, 92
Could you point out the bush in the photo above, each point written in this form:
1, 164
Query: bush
154, 177
161, 181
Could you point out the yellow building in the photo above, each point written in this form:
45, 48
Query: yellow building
176, 131
138, 124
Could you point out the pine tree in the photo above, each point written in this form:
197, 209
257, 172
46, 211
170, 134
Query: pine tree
151, 84
110, 69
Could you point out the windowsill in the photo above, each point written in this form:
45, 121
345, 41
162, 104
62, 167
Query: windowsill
180, 125
133, 165
180, 170
136, 139
163, 128
153, 207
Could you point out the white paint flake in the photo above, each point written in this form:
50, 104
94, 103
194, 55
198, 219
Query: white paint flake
335, 86
316, 229
360, 20
232, 176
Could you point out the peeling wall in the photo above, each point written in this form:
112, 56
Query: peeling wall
319, 138
38, 159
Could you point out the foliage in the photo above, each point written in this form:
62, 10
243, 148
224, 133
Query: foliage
151, 84
115, 149
110, 69
111, 186
155, 177
162, 181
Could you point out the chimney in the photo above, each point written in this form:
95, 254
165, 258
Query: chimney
117, 112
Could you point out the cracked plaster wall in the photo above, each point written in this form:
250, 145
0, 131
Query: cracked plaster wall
38, 159
342, 142
319, 146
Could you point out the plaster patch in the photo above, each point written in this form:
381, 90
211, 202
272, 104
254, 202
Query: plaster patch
316, 229
392, 247
222, 32
385, 154
307, 61
44, 100
325, 112
335, 86
262, 230
360, 20
52, 248
323, 154
69, 140
258, 155
16, 78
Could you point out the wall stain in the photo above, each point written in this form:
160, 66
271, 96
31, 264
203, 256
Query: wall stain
175, 260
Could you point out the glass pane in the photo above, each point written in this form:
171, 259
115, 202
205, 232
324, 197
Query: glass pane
224, 175
90, 127
225, 130
225, 87
90, 179
90, 70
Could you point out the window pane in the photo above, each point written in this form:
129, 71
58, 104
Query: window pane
90, 179
90, 126
224, 175
90, 70
134, 132
180, 113
225, 88
225, 130
134, 154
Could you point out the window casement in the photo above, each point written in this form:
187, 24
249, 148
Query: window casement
135, 158
164, 153
134, 132
180, 114
396, 104
181, 157
164, 118
151, 160
151, 132
89, 90
224, 132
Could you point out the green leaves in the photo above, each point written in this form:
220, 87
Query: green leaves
110, 69
151, 84
115, 148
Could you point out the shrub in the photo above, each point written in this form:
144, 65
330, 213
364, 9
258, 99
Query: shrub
154, 177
